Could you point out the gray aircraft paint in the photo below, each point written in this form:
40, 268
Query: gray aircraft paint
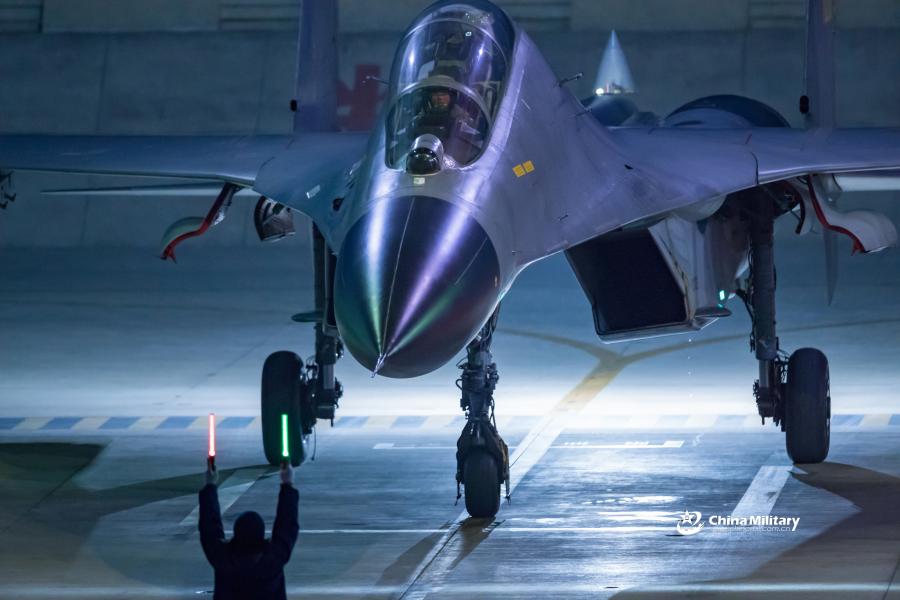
584, 179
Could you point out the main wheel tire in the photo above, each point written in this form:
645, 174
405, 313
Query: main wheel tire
807, 413
280, 394
481, 483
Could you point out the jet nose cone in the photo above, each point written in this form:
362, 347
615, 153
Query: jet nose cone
416, 278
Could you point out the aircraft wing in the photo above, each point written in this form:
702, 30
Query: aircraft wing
313, 157
668, 169
705, 163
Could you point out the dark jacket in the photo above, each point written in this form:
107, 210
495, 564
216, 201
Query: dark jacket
242, 574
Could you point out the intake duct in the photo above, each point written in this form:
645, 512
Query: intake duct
629, 284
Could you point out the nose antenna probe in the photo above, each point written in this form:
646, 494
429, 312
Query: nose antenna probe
378, 364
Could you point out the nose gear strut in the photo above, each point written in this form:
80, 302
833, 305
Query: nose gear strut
482, 457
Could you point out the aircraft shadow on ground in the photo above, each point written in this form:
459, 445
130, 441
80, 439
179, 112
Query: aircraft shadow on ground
836, 555
464, 541
46, 518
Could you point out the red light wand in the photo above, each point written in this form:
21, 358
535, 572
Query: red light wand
211, 458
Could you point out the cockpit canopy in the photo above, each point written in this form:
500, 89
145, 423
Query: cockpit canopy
447, 80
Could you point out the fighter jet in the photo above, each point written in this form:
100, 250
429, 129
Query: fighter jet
483, 162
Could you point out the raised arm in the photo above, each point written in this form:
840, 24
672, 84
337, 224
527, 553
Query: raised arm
212, 533
286, 527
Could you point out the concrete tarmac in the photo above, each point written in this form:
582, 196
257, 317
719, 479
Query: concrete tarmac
110, 360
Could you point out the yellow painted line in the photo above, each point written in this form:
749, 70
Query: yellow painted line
645, 421
90, 423
253, 423
381, 421
875, 420
701, 421
145, 423
438, 421
203, 422
584, 421
503, 420
754, 421
32, 423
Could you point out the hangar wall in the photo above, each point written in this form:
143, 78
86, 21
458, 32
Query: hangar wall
227, 66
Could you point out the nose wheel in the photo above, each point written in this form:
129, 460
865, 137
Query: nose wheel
481, 482
482, 457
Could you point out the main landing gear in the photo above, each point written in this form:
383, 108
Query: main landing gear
303, 392
792, 390
482, 457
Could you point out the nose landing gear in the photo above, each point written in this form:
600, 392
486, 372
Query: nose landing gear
482, 457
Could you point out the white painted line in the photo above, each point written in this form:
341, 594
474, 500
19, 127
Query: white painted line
762, 587
229, 491
532, 448
565, 446
499, 529
623, 446
764, 490
473, 589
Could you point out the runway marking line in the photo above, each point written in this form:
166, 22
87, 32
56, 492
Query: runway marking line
474, 589
760, 497
528, 452
230, 491
565, 446
593, 421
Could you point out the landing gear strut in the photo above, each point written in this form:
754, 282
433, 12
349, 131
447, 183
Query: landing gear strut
793, 391
482, 457
304, 392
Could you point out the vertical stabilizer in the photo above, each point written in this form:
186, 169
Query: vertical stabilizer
613, 76
820, 111
316, 92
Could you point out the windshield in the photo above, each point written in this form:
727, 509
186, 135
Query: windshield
447, 80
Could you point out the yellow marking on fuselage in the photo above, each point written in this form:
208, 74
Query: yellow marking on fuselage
523, 168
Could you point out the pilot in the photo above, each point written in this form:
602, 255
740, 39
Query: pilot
442, 112
249, 566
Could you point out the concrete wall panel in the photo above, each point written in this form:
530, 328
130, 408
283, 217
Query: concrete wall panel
190, 84
50, 84
130, 15
660, 15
